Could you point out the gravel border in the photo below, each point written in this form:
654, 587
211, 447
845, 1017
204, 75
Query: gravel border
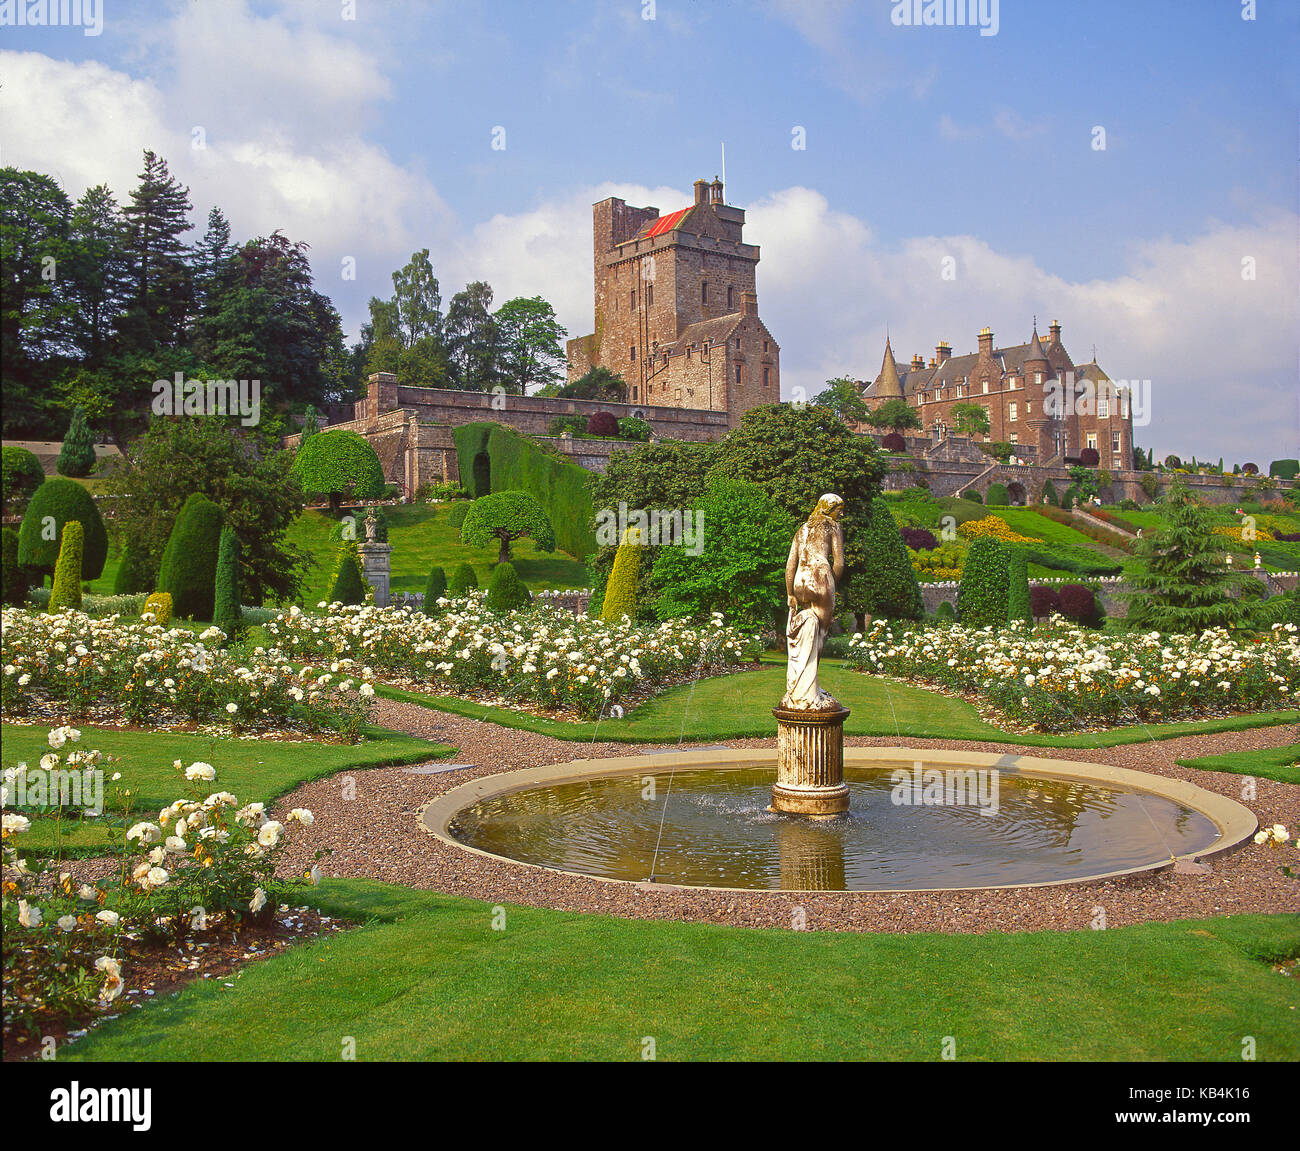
366, 819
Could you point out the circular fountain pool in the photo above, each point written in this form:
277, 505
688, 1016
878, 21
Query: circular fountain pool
922, 820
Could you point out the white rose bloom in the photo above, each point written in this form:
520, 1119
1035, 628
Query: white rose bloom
269, 833
66, 922
146, 833
28, 916
201, 771
109, 918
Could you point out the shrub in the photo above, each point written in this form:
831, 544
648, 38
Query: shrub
504, 517
892, 590
945, 613
919, 539
159, 606
1288, 537
440, 492
1279, 469
574, 425
16, 578
348, 586
620, 591
22, 475
893, 442
1079, 603
62, 500
133, 572
1018, 604
1127, 505
339, 464
463, 581
456, 517
1149, 484
1049, 495
602, 424
972, 495
1250, 469
997, 496
226, 611
67, 572
985, 581
1001, 450
1043, 601
1016, 490
994, 526
77, 456
631, 428
188, 572
434, 590
505, 589
1089, 457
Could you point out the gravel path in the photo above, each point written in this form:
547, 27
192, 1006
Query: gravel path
374, 834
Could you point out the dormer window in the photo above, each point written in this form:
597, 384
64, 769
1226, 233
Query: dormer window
986, 387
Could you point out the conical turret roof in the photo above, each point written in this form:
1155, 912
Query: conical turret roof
888, 386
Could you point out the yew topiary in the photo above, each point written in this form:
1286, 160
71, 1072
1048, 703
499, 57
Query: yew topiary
227, 614
338, 464
463, 581
434, 590
1019, 606
620, 590
892, 590
188, 572
77, 456
503, 517
67, 571
505, 589
22, 475
348, 585
983, 592
53, 504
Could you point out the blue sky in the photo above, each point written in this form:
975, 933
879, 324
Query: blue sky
372, 137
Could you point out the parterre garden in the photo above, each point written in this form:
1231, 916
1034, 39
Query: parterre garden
211, 644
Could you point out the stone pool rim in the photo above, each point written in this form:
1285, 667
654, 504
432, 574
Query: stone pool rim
1234, 822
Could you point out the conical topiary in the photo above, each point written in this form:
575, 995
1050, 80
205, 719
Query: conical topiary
985, 581
1018, 607
15, 575
67, 571
227, 613
133, 572
188, 572
1049, 495
348, 587
434, 590
77, 456
463, 580
505, 589
620, 591
892, 591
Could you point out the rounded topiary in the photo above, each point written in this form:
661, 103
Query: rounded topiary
77, 456
1250, 469
16, 578
997, 496
945, 612
463, 581
1049, 495
52, 505
1043, 601
504, 517
1128, 505
1019, 606
1089, 457
505, 589
456, 517
22, 474
890, 580
602, 424
338, 464
67, 571
188, 572
972, 495
348, 586
919, 539
620, 589
985, 582
134, 574
159, 608
1080, 604
434, 589
226, 612
893, 442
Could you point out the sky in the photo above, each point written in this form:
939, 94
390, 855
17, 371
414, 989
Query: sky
1127, 169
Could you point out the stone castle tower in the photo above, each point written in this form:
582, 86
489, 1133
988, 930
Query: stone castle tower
676, 307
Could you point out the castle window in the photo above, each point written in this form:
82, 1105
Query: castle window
1092, 440
1012, 413
1038, 377
731, 297
649, 295
737, 343
634, 393
634, 299
737, 373
764, 345
766, 376
704, 291
986, 387
631, 353
1103, 407
1015, 438
1114, 443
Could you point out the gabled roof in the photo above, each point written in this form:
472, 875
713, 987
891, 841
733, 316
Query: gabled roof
716, 331
662, 224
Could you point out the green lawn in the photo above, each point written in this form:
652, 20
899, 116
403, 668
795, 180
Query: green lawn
251, 769
740, 705
422, 538
429, 979
1281, 763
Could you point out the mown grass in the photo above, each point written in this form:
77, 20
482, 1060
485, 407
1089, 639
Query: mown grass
1280, 763
429, 978
252, 769
739, 706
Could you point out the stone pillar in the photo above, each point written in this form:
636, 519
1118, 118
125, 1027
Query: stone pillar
376, 566
810, 762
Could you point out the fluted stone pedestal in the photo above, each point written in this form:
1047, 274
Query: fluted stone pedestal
375, 566
810, 762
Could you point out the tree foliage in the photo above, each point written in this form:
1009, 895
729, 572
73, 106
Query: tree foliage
339, 465
77, 456
503, 517
55, 503
897, 415
842, 397
21, 474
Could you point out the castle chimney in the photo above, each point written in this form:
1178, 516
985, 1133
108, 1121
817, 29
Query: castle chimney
942, 351
701, 191
986, 341
918, 362
749, 303
1055, 330
715, 191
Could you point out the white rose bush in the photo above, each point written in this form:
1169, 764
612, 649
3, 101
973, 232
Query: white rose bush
541, 656
1066, 678
203, 860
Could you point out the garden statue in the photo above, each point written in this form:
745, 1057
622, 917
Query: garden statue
815, 566
372, 526
809, 720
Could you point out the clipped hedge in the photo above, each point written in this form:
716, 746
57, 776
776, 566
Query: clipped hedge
985, 582
506, 590
972, 495
997, 496
348, 586
227, 613
562, 488
188, 572
16, 578
463, 580
891, 587
67, 572
434, 589
22, 475
620, 591
1018, 603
